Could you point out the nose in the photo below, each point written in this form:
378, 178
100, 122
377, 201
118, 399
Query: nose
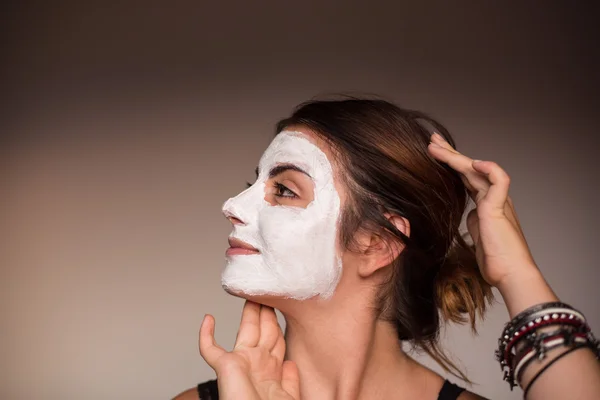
230, 214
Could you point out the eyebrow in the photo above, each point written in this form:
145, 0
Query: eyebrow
281, 168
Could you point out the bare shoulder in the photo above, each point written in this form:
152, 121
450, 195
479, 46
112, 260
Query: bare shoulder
190, 394
466, 395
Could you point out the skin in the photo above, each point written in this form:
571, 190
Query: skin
352, 355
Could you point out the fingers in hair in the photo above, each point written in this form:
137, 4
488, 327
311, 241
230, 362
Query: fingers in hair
476, 182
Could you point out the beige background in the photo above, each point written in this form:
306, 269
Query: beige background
125, 127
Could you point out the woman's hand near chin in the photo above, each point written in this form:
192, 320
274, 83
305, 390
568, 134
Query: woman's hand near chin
255, 368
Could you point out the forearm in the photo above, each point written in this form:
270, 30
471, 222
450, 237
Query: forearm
575, 375
525, 290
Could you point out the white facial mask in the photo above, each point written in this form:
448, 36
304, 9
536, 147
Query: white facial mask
298, 257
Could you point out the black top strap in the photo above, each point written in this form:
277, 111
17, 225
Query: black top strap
210, 391
450, 391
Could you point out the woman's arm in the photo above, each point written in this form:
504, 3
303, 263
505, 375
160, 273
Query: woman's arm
574, 376
506, 262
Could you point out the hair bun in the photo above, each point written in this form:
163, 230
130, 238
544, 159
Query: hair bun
461, 291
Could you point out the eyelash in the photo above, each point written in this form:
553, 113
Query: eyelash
281, 189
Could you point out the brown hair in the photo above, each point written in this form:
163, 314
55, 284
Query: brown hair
382, 149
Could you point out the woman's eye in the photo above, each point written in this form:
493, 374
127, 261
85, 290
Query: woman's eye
283, 191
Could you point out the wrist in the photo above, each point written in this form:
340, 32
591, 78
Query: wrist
525, 289
528, 273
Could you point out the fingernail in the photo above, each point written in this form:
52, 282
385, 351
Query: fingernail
477, 161
438, 136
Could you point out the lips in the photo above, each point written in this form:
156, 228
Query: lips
238, 247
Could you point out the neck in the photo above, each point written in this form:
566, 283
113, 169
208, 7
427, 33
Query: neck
346, 354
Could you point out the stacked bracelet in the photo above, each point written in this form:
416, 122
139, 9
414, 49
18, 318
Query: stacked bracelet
538, 352
521, 342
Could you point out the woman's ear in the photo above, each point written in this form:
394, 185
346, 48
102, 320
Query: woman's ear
382, 250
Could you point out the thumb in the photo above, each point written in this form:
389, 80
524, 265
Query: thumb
290, 379
473, 225
209, 349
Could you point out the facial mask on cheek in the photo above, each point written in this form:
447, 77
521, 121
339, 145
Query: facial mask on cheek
298, 257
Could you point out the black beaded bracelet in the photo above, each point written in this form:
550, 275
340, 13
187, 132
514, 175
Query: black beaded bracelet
518, 319
532, 313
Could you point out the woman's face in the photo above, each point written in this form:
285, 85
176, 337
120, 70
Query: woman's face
284, 238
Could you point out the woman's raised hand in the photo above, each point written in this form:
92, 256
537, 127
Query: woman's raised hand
254, 369
502, 253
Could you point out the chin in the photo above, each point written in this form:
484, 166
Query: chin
236, 292
271, 300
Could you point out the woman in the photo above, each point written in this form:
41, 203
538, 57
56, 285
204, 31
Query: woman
352, 231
